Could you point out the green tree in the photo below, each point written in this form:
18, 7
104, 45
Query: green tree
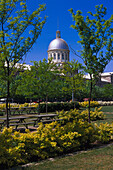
96, 36
47, 73
27, 85
97, 91
19, 30
108, 91
73, 76
40, 82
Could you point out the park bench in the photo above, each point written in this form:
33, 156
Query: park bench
1, 125
29, 120
23, 110
33, 123
50, 121
24, 123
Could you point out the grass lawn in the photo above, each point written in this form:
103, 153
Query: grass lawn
101, 158
104, 108
107, 109
108, 112
109, 119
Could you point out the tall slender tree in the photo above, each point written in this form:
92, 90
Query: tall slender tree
73, 75
19, 30
96, 39
47, 78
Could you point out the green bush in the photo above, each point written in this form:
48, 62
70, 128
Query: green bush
52, 107
1, 114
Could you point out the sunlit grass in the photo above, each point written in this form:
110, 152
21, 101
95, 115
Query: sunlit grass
108, 112
101, 158
107, 109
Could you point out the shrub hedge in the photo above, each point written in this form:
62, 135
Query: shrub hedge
52, 107
48, 141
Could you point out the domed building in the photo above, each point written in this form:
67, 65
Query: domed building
58, 50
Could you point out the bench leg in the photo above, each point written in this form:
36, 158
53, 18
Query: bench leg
0, 127
34, 123
26, 126
16, 127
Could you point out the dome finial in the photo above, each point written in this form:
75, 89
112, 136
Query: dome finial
58, 34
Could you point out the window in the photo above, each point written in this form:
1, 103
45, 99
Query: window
66, 56
58, 56
51, 55
54, 56
62, 56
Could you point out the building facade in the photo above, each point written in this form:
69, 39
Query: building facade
105, 78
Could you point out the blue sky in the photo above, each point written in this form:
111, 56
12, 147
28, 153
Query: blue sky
60, 18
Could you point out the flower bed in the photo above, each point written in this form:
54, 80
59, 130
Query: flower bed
71, 134
85, 104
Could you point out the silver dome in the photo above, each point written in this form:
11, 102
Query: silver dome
58, 43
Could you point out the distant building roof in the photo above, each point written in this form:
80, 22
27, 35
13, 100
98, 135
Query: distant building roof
106, 73
58, 43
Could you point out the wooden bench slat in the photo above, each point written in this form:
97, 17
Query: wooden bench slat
49, 121
13, 121
33, 119
26, 123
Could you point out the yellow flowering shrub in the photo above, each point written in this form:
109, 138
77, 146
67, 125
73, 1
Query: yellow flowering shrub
18, 106
97, 114
86, 103
34, 105
71, 115
49, 140
105, 132
3, 106
8, 154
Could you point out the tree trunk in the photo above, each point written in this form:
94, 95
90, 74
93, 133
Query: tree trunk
8, 96
72, 95
73, 99
90, 93
46, 103
39, 106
